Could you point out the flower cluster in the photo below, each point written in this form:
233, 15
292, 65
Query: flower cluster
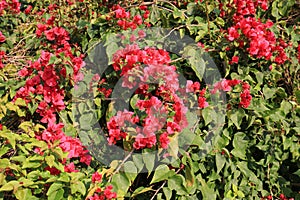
126, 21
226, 86
161, 103
43, 86
2, 57
100, 194
13, 6
194, 87
248, 7
262, 41
2, 53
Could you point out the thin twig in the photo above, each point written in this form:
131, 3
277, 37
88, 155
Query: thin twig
207, 18
178, 59
121, 164
174, 29
164, 183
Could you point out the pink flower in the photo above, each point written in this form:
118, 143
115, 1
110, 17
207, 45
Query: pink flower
23, 72
232, 34
270, 67
50, 35
173, 127
141, 34
70, 168
192, 87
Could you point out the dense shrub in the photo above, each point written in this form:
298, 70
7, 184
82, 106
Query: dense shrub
149, 99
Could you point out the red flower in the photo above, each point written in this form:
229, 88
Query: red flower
2, 37
173, 127
28, 10
235, 59
142, 141
49, 76
108, 193
146, 14
115, 135
245, 99
1, 127
96, 177
192, 87
202, 102
53, 171
41, 28
164, 140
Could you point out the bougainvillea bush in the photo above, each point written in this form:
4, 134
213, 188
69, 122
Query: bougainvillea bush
149, 99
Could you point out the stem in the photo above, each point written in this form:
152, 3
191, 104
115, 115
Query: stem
121, 164
207, 18
164, 183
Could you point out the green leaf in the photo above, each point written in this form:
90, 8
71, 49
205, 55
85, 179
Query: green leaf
240, 194
12, 185
50, 160
178, 14
189, 177
138, 161
130, 170
4, 163
86, 121
176, 183
220, 162
207, 191
82, 107
269, 92
207, 116
161, 173
286, 107
297, 172
195, 60
240, 145
111, 49
220, 21
56, 195
141, 190
24, 194
167, 193
54, 187
121, 183
149, 160
78, 187
297, 93
173, 147
20, 102
64, 177
237, 117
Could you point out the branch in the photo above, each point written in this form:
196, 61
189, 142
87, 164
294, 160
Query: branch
121, 164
